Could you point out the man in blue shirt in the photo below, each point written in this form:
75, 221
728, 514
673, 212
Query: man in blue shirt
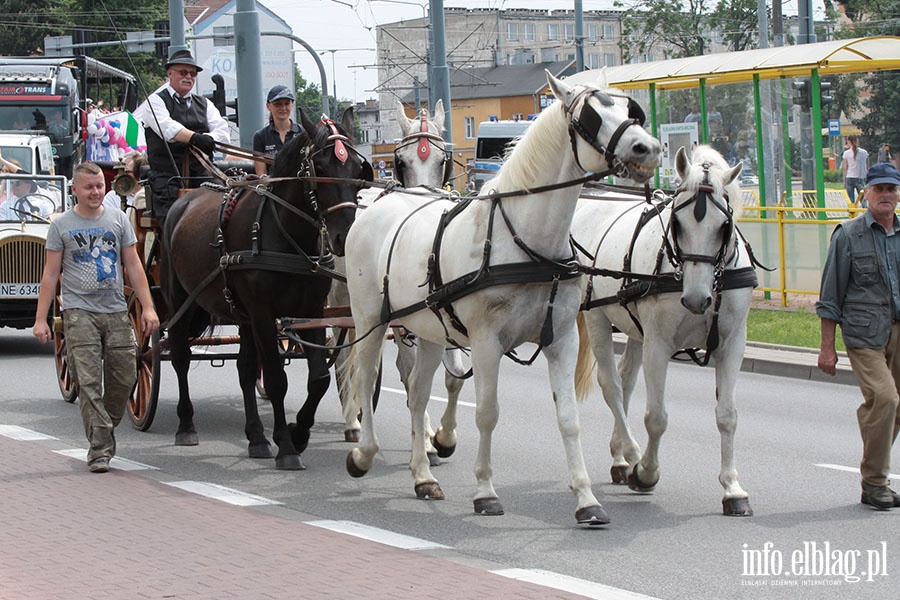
861, 291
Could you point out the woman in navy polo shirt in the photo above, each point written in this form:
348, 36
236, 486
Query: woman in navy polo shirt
281, 127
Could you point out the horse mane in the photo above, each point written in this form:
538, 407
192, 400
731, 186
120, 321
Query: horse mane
285, 164
719, 167
528, 154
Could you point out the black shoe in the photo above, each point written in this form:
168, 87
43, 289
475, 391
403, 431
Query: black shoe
880, 497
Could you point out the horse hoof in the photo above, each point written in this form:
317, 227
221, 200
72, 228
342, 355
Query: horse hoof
351, 435
488, 506
433, 459
443, 451
592, 515
187, 438
619, 474
352, 469
289, 462
429, 491
299, 437
261, 450
636, 485
736, 507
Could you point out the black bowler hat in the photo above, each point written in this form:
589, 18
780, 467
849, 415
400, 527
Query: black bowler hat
183, 57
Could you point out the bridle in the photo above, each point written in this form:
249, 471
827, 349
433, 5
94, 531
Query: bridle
587, 126
424, 141
704, 196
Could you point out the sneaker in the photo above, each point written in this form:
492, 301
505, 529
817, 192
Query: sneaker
99, 465
880, 497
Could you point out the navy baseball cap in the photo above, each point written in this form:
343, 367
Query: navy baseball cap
883, 173
278, 92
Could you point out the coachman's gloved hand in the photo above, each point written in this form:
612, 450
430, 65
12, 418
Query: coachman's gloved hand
203, 142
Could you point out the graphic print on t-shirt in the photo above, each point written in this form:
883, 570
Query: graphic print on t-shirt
97, 246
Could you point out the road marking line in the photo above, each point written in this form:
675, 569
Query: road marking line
847, 469
220, 492
572, 585
116, 463
20, 433
435, 398
374, 534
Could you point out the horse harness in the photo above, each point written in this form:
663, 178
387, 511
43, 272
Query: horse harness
639, 285
297, 262
424, 141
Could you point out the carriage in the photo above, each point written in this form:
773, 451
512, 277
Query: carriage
473, 297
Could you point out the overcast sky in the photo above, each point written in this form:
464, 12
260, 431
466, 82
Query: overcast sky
348, 26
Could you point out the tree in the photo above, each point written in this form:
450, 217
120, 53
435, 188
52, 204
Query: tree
685, 27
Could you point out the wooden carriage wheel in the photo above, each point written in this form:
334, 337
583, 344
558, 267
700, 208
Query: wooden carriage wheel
145, 395
65, 377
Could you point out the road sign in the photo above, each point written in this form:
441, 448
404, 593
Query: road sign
834, 127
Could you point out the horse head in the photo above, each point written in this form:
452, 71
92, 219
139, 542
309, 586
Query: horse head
702, 223
325, 150
606, 130
421, 157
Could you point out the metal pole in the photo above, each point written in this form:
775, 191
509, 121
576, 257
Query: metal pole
441, 85
579, 37
176, 26
248, 58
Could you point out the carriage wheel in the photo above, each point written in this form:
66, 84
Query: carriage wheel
65, 377
145, 395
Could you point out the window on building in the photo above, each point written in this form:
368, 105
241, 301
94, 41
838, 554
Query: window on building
553, 32
569, 31
609, 59
608, 32
593, 60
528, 32
223, 31
592, 32
512, 32
470, 128
648, 57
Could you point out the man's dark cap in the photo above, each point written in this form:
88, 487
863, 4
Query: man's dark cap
183, 57
883, 173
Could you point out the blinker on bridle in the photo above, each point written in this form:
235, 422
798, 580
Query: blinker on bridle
587, 125
702, 197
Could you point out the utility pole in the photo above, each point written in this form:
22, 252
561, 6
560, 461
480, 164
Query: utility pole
579, 37
440, 85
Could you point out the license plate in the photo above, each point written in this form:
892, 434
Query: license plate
12, 291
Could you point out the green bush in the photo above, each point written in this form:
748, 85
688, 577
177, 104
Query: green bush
833, 176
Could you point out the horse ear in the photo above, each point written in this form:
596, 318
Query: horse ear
347, 121
681, 163
402, 119
559, 89
602, 80
439, 114
734, 172
308, 125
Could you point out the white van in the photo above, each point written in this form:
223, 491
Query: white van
491, 142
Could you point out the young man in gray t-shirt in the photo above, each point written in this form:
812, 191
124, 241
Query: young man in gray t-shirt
91, 244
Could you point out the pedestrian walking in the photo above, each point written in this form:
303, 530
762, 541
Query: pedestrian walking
91, 244
854, 165
860, 290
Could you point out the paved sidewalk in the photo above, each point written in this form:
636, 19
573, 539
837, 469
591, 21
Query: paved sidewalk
74, 535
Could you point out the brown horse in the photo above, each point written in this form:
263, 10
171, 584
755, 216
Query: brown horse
255, 258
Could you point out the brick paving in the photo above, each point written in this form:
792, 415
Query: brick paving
73, 535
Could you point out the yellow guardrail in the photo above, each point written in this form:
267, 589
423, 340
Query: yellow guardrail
793, 237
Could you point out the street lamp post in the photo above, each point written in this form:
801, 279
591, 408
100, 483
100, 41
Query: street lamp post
333, 78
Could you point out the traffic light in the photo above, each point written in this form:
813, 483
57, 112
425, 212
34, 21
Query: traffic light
803, 95
233, 104
218, 95
827, 97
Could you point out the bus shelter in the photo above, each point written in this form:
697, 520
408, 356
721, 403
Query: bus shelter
771, 110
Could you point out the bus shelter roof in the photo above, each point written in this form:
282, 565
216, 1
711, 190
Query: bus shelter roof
838, 56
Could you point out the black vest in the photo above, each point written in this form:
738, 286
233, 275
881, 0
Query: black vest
194, 118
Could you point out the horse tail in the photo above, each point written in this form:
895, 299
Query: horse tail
344, 372
584, 365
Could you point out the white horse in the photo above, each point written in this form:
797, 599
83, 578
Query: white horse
420, 159
507, 265
700, 299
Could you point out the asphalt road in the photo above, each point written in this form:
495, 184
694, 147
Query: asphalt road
797, 452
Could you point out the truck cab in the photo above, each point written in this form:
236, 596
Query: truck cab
491, 142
